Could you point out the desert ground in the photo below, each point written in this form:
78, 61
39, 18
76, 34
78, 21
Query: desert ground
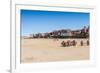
47, 50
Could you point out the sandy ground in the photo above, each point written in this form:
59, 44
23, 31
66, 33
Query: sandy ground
45, 50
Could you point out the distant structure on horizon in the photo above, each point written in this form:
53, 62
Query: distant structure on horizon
64, 33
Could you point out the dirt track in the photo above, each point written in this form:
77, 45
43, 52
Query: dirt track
44, 50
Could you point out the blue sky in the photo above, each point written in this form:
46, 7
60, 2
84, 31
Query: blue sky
35, 21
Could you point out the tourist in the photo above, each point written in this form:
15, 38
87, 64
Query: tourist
81, 43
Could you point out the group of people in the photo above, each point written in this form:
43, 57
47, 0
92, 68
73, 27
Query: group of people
73, 43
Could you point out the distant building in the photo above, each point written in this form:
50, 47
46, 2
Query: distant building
64, 33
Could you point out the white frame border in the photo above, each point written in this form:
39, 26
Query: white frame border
15, 65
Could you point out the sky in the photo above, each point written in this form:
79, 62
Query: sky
36, 21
